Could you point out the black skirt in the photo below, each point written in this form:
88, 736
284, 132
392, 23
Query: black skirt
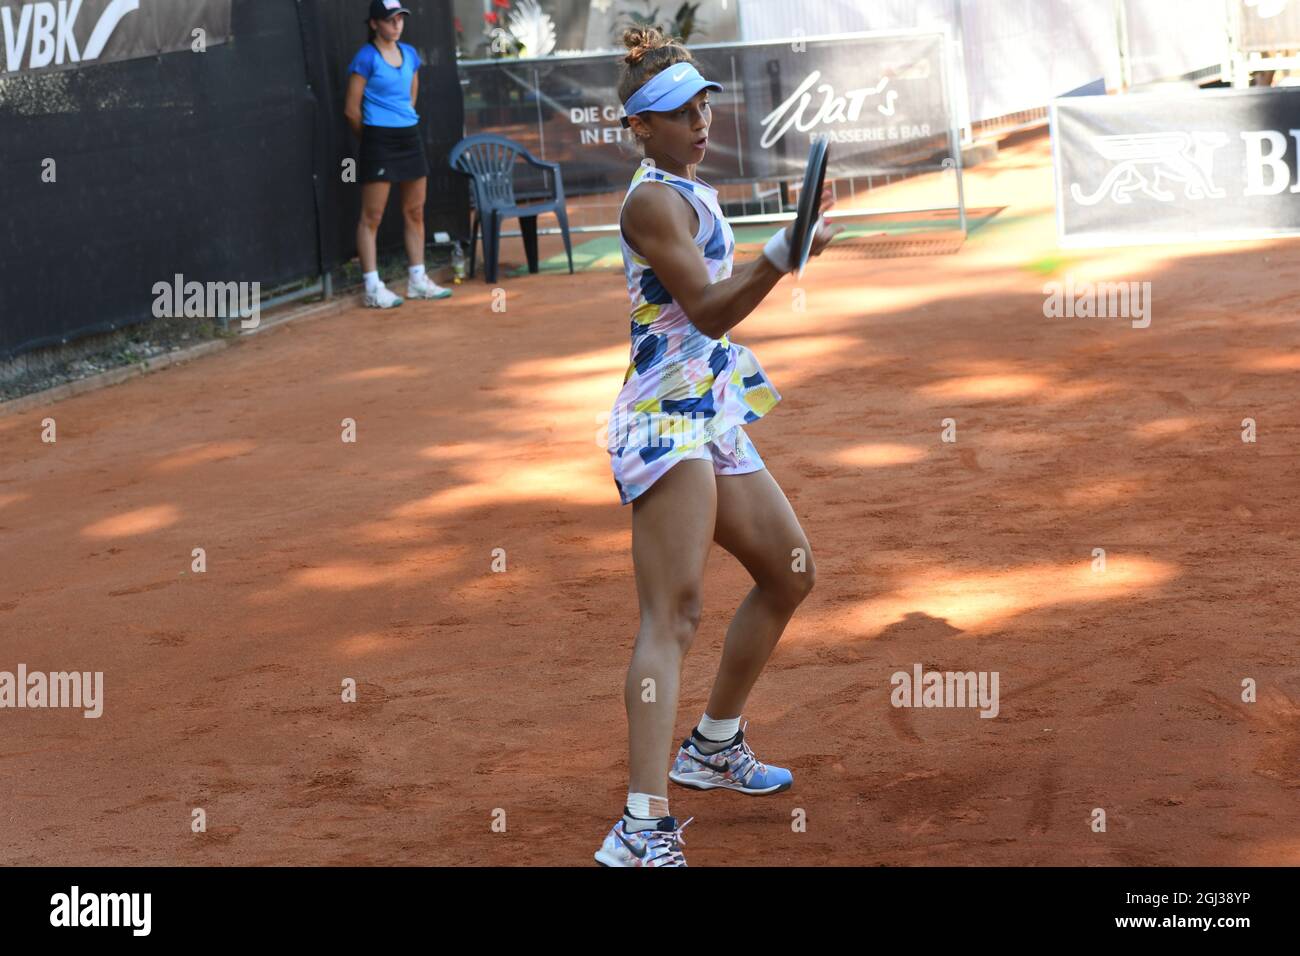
393, 154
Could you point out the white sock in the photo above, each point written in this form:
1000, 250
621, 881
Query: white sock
644, 810
372, 281
417, 272
719, 731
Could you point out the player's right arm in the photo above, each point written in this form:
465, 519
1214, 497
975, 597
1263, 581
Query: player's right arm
352, 102
662, 228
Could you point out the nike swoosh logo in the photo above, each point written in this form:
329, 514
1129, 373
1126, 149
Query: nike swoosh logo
725, 769
681, 75
630, 848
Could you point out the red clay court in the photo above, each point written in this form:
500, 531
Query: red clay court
478, 690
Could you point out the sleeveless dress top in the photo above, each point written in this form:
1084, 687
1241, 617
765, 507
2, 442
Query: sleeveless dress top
682, 389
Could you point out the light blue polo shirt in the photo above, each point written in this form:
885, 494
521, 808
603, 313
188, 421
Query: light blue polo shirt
387, 100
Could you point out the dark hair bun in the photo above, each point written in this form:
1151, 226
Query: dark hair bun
640, 41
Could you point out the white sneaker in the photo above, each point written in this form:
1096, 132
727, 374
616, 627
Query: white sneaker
661, 846
382, 298
425, 288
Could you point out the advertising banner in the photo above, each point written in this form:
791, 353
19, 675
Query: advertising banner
63, 35
881, 99
1172, 167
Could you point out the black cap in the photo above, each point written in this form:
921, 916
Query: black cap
383, 9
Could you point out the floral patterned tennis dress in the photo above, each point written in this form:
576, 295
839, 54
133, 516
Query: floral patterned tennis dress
685, 395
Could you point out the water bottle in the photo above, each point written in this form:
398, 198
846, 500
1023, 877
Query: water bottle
457, 264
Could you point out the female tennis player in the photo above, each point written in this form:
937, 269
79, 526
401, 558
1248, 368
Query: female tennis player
380, 108
681, 457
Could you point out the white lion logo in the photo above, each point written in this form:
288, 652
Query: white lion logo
1183, 158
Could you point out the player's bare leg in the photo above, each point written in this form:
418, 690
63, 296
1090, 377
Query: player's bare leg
757, 525
672, 530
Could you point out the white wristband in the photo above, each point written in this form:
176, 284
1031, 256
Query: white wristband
777, 251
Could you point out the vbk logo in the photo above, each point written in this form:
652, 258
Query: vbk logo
1145, 162
44, 31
